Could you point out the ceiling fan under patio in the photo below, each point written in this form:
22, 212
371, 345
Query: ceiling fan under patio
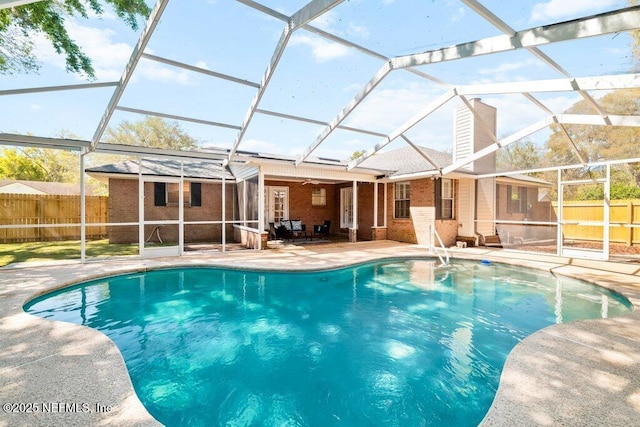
310, 181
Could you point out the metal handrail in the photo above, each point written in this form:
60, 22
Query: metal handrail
436, 250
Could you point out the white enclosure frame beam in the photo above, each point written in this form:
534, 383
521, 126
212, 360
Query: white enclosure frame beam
135, 150
175, 117
152, 23
40, 141
366, 90
501, 25
57, 88
443, 99
502, 143
337, 39
316, 122
611, 82
424, 155
621, 20
199, 70
308, 13
586, 119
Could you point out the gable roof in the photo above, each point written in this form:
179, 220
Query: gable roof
191, 169
406, 160
19, 186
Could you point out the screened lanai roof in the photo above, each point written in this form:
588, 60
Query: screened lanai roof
327, 78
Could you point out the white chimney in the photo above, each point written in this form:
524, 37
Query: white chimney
470, 135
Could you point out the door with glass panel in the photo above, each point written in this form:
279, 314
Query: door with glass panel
276, 204
346, 207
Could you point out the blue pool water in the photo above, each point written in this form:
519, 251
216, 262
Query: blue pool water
395, 342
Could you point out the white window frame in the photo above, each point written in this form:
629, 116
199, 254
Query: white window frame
402, 193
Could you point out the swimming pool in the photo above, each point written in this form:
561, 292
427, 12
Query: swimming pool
395, 342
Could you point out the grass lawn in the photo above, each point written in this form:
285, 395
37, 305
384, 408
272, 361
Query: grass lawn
43, 251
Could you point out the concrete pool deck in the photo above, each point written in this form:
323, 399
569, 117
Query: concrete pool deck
573, 374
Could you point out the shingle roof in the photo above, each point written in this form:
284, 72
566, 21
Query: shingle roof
192, 169
406, 160
53, 188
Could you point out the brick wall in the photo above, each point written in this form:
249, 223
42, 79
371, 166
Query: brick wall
365, 208
123, 207
422, 195
300, 206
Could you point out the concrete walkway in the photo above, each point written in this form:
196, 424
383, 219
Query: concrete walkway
576, 374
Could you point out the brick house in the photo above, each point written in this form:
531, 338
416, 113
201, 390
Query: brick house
202, 199
398, 195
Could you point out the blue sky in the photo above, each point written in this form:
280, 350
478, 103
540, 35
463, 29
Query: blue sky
315, 77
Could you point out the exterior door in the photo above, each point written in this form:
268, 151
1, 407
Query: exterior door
346, 207
276, 204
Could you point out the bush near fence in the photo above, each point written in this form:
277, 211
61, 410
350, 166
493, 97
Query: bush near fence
37, 209
623, 214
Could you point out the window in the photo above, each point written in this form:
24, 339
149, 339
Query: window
318, 197
168, 194
516, 199
444, 199
402, 200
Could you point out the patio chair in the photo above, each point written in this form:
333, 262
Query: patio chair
298, 229
322, 229
279, 232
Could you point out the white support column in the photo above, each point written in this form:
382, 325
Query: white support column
140, 209
607, 214
224, 209
559, 219
83, 211
384, 211
260, 207
181, 211
375, 205
353, 231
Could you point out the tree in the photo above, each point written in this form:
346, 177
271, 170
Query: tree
151, 132
635, 36
18, 23
357, 154
521, 155
37, 164
596, 143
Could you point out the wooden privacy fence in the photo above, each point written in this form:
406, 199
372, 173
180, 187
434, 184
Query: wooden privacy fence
35, 209
623, 216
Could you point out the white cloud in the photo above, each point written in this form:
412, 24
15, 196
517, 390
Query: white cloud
358, 30
331, 22
507, 71
107, 56
557, 9
154, 71
321, 50
386, 109
458, 15
258, 145
36, 107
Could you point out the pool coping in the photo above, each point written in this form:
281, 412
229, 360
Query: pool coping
581, 373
